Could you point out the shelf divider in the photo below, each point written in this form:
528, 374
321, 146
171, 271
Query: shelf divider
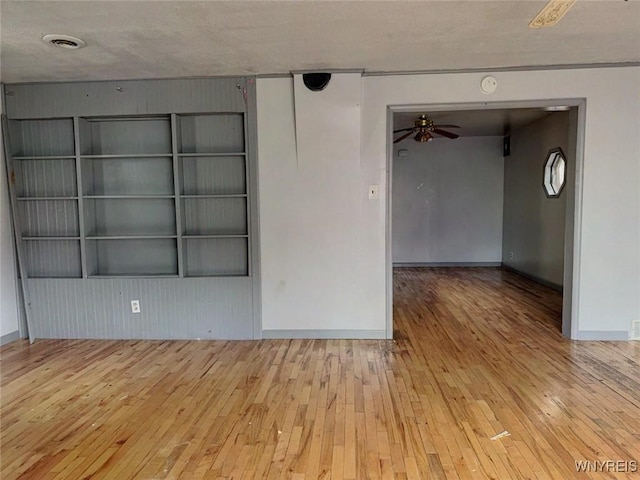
177, 185
80, 192
245, 126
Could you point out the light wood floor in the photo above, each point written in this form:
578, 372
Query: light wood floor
477, 352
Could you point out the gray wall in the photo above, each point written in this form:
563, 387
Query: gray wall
170, 308
534, 225
447, 201
224, 307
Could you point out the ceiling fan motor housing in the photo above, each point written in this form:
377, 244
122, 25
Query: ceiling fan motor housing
424, 122
424, 129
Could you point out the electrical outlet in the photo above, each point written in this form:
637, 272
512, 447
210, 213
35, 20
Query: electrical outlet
510, 255
135, 306
373, 192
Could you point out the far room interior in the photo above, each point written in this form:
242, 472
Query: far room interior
472, 193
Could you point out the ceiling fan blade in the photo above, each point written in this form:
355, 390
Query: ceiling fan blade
404, 130
446, 126
444, 133
399, 139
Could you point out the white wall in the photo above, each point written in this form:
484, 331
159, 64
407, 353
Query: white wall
8, 287
313, 266
534, 225
447, 201
334, 276
607, 267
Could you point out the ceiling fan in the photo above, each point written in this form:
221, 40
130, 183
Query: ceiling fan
423, 127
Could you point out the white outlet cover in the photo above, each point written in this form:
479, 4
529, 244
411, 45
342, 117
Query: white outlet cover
135, 306
373, 192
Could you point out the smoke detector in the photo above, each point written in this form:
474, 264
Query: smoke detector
63, 41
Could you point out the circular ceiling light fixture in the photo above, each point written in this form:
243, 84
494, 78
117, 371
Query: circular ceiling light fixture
63, 41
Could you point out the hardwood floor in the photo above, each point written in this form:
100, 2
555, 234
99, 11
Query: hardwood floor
477, 352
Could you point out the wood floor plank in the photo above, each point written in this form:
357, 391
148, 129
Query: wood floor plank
476, 352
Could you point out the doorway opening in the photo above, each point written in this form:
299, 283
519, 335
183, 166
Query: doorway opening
480, 200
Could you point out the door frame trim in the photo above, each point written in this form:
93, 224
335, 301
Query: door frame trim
573, 215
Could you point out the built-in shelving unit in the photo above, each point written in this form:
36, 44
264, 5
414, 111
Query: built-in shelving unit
135, 190
142, 196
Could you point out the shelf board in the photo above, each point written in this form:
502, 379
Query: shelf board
214, 195
45, 157
53, 277
51, 237
29, 199
127, 118
135, 275
129, 237
219, 275
127, 156
126, 197
206, 235
207, 154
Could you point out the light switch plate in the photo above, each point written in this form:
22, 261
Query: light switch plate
373, 192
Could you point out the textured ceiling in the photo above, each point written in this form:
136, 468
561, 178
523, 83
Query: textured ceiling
145, 39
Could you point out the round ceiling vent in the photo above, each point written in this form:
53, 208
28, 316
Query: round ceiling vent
63, 41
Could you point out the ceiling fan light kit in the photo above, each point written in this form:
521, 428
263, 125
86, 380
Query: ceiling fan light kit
423, 137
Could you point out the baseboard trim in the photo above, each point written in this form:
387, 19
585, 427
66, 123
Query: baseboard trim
9, 337
611, 335
325, 334
541, 281
446, 264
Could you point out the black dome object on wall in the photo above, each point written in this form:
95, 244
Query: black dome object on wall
316, 81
